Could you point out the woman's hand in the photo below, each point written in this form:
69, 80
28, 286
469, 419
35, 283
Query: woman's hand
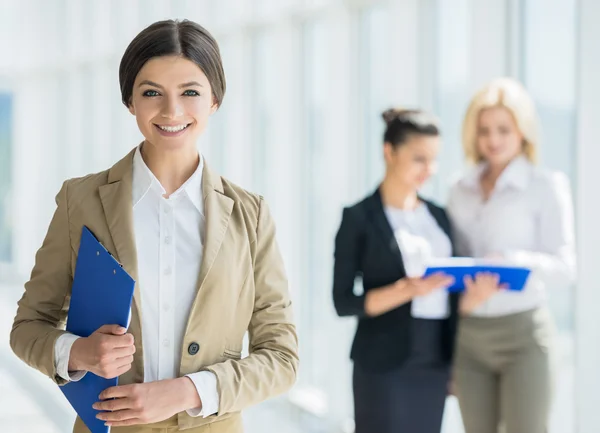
146, 403
380, 301
479, 290
424, 286
107, 353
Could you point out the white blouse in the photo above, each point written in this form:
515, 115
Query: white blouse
527, 221
420, 240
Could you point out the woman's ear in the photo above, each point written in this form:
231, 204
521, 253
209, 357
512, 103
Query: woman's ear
131, 108
214, 107
388, 151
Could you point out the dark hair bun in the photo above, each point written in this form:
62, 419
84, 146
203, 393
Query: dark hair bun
402, 123
389, 115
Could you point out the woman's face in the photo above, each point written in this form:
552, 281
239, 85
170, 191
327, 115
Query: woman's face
172, 101
412, 163
499, 140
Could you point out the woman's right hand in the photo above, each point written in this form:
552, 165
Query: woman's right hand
107, 353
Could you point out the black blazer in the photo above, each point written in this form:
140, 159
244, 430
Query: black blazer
365, 247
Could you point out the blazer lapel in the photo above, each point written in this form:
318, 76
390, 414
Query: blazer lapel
118, 210
217, 208
116, 197
377, 215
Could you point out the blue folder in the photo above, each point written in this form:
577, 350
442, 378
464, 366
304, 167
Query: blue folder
101, 295
514, 277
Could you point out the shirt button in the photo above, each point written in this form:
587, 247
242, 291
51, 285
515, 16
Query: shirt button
193, 348
166, 342
168, 240
166, 307
168, 271
167, 209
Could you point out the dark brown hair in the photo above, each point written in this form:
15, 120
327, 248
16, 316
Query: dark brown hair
173, 38
402, 124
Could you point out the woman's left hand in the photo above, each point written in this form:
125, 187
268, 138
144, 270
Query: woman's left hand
479, 290
146, 403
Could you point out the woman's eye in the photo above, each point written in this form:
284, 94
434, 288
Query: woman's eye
191, 93
150, 93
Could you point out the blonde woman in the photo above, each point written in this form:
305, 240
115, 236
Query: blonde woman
509, 209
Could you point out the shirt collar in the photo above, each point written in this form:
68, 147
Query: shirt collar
516, 174
144, 180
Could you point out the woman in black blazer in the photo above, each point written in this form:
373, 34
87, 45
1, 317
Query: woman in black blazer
404, 340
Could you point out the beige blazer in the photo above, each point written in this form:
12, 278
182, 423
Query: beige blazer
242, 287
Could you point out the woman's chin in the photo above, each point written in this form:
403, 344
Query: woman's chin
171, 144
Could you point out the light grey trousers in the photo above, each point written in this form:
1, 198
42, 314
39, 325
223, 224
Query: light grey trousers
503, 372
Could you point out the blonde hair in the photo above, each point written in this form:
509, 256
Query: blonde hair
511, 95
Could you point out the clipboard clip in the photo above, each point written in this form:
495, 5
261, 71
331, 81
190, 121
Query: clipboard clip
105, 249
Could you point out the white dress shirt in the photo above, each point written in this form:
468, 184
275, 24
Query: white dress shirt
420, 240
169, 234
527, 220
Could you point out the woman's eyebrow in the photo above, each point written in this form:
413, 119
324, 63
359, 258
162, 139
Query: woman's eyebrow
190, 84
150, 83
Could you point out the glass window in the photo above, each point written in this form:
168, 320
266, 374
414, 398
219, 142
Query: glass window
452, 87
6, 107
374, 85
314, 94
548, 70
262, 70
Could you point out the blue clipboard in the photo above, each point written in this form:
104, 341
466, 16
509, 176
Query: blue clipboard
101, 295
514, 277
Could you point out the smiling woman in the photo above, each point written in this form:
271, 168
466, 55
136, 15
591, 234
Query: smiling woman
201, 249
177, 109
172, 80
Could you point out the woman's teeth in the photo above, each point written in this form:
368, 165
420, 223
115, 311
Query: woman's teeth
173, 128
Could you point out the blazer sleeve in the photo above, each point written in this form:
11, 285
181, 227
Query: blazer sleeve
346, 267
272, 364
42, 310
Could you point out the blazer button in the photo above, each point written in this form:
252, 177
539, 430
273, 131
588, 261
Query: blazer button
193, 348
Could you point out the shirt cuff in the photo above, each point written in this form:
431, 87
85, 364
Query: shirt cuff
62, 353
206, 386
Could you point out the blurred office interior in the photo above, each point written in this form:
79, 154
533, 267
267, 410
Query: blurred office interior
301, 125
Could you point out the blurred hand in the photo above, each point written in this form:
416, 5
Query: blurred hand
381, 300
107, 353
479, 290
424, 286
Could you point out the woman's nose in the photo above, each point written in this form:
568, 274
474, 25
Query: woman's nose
172, 108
